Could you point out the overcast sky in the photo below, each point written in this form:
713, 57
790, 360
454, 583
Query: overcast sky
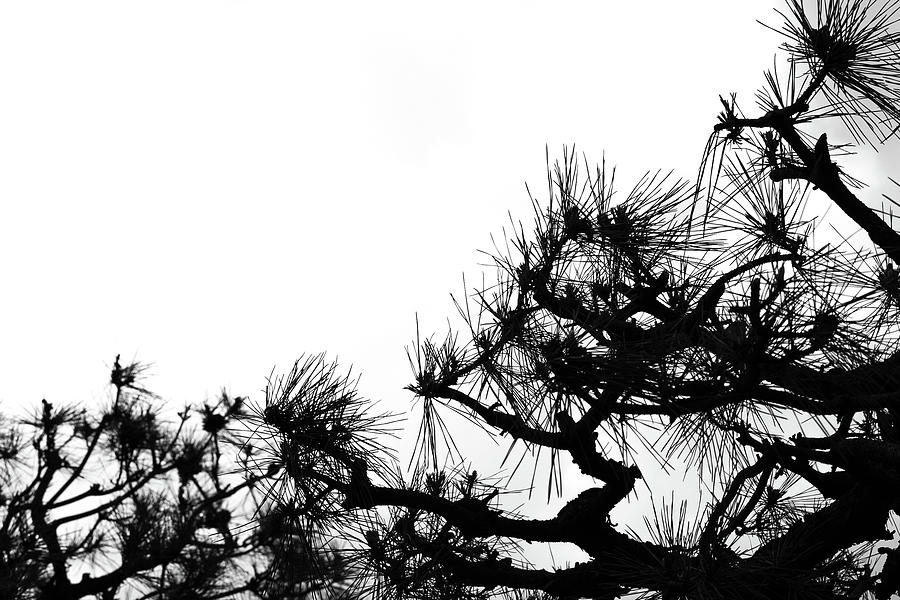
218, 186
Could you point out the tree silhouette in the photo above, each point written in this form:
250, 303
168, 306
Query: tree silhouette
117, 503
701, 325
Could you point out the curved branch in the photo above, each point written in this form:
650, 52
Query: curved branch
825, 175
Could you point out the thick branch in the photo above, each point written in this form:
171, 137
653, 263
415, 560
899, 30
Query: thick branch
856, 517
825, 175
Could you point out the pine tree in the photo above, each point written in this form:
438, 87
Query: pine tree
699, 324
115, 502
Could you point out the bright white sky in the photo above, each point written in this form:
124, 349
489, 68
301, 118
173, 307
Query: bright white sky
219, 186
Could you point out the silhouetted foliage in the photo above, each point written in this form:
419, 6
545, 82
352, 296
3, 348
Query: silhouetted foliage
116, 502
702, 325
